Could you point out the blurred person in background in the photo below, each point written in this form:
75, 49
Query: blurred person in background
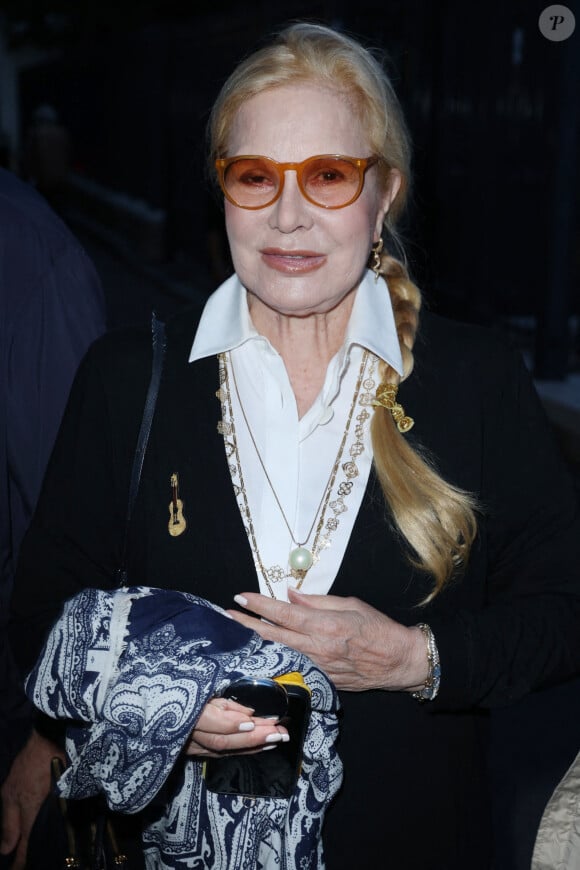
51, 309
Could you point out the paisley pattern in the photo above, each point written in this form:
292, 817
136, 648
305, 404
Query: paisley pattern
132, 670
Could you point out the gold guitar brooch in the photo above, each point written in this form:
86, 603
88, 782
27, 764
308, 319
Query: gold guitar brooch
177, 523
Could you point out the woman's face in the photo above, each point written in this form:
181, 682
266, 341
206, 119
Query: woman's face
295, 257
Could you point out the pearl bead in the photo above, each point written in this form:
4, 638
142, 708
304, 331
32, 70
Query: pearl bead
301, 559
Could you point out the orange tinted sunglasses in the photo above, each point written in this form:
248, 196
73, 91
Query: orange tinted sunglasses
326, 180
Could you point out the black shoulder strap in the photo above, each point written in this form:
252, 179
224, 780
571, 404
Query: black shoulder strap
158, 333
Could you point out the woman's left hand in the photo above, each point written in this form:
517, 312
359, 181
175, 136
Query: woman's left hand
357, 646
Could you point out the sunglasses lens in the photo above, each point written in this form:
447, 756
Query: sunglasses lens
331, 181
251, 182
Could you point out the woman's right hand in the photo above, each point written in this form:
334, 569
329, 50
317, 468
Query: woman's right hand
228, 727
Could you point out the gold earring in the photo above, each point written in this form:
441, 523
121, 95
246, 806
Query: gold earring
376, 252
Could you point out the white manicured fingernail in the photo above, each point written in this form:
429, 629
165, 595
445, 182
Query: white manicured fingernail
246, 726
274, 738
241, 600
265, 748
285, 738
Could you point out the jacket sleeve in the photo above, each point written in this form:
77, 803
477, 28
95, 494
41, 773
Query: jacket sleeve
75, 538
525, 631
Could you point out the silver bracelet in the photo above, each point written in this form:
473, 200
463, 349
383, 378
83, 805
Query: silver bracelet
429, 689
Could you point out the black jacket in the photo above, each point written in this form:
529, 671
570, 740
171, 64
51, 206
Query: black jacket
415, 792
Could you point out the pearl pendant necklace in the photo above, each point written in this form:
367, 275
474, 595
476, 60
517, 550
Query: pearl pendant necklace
301, 558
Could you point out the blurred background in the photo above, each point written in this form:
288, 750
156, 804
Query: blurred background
103, 106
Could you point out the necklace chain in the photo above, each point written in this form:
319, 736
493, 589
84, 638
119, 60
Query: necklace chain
267, 476
227, 428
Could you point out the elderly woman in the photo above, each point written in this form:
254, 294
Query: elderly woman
376, 488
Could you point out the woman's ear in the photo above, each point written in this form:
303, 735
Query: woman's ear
388, 197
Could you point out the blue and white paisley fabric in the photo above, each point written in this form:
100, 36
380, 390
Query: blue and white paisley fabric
133, 669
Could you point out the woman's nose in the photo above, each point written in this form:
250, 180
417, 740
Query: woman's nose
291, 210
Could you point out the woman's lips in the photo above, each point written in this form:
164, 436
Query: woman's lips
292, 262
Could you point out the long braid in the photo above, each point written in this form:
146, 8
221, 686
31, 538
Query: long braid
436, 518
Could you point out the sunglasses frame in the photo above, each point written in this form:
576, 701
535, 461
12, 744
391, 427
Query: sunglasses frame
361, 163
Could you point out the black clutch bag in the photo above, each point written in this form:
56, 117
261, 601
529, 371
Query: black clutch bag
273, 773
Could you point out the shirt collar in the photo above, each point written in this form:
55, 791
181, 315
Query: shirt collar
372, 322
225, 322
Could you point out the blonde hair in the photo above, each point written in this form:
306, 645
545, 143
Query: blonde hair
435, 518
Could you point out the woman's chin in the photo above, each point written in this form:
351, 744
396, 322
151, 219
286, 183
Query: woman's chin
298, 305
